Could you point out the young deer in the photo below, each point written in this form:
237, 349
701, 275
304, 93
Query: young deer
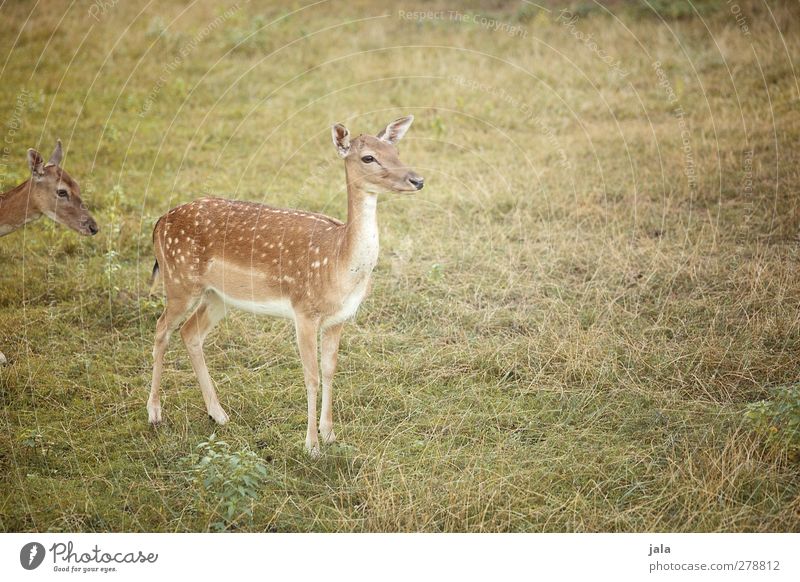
310, 268
49, 191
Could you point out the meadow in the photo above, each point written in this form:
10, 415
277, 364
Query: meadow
587, 321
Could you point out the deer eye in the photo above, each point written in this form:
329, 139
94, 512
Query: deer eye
62, 193
367, 159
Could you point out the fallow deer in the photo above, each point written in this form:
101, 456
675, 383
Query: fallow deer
212, 254
50, 191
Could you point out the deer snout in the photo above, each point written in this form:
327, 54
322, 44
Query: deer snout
90, 227
416, 180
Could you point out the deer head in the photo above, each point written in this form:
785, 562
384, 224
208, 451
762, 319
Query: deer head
55, 194
372, 163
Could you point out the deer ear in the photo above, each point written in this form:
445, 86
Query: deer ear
395, 131
58, 153
35, 162
341, 139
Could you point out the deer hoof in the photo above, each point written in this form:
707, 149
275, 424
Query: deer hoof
328, 436
154, 414
218, 416
312, 445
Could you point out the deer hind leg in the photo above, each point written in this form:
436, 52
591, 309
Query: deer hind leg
307, 330
330, 355
209, 313
172, 316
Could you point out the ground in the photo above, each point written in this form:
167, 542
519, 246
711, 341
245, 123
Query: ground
567, 325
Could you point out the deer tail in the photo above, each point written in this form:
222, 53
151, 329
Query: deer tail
155, 280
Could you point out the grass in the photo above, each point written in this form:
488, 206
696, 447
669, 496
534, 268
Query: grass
564, 332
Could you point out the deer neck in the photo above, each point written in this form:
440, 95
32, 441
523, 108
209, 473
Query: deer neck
16, 208
360, 245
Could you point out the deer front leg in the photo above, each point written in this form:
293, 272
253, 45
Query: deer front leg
307, 329
330, 355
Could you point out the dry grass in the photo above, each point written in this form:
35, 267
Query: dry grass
563, 333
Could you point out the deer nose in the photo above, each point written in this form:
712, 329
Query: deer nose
92, 228
417, 181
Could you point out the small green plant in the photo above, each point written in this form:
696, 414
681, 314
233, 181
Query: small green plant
436, 272
31, 438
112, 264
228, 479
34, 442
113, 219
778, 419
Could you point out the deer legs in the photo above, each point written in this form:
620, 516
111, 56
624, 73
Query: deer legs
169, 320
330, 354
208, 313
307, 330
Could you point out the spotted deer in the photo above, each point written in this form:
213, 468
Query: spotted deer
213, 254
51, 192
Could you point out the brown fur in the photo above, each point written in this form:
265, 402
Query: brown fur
249, 251
212, 253
39, 196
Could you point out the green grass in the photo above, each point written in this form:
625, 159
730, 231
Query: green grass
564, 334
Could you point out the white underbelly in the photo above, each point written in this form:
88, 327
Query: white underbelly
273, 307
